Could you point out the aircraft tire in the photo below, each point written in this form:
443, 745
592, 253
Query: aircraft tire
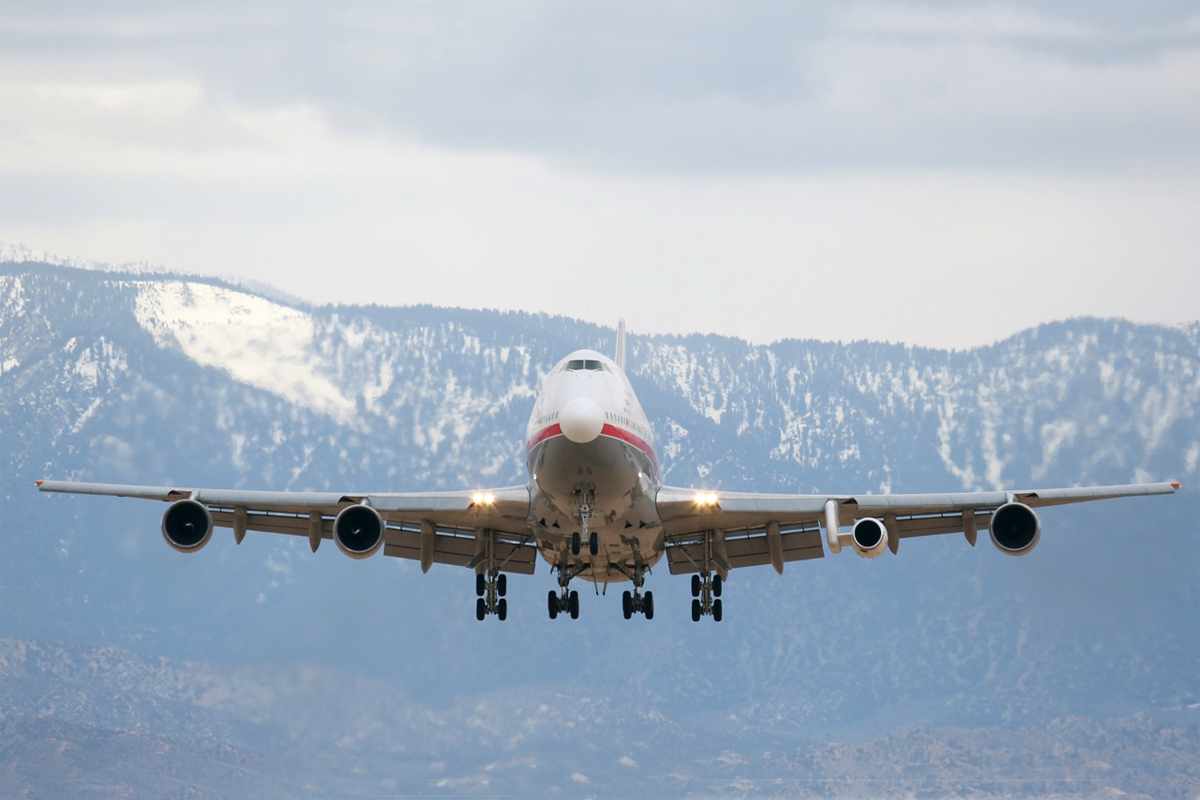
695, 586
502, 584
552, 604
717, 611
717, 583
480, 584
573, 604
575, 543
480, 609
696, 610
594, 543
626, 604
648, 605
502, 609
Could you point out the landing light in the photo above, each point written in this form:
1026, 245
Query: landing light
706, 499
483, 499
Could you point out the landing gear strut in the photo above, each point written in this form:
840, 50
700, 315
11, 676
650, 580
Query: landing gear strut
706, 596
490, 589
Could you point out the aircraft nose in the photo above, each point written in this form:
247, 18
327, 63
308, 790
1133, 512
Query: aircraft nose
581, 420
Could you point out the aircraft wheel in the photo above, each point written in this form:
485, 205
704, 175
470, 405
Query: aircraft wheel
717, 582
552, 604
695, 586
480, 609
575, 543
480, 584
696, 610
626, 604
594, 543
648, 605
502, 584
502, 609
717, 611
573, 604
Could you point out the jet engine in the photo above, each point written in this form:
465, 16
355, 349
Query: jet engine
187, 525
1015, 529
869, 537
358, 531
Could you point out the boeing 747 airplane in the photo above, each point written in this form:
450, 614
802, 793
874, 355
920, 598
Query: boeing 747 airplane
595, 509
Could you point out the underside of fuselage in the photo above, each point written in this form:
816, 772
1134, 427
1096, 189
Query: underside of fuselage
612, 482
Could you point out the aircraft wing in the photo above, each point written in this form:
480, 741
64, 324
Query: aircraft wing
756, 528
430, 527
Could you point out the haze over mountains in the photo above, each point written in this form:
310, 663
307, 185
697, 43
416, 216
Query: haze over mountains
384, 673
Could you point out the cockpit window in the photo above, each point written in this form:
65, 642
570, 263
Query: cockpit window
585, 363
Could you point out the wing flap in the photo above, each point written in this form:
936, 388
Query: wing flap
932, 525
748, 548
459, 548
291, 524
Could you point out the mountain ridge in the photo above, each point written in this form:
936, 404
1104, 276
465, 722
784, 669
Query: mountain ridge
271, 292
148, 380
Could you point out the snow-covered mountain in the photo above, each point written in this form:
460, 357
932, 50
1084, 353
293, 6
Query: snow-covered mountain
141, 378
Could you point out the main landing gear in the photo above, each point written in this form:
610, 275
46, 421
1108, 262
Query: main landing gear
566, 599
567, 602
635, 602
706, 596
490, 589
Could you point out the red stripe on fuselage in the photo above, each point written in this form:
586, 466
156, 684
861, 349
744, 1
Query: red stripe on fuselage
609, 429
630, 438
543, 435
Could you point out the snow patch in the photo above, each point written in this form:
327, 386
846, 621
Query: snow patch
1054, 436
258, 342
12, 294
1159, 413
945, 434
87, 369
88, 413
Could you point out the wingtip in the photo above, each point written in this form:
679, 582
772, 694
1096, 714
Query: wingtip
1176, 485
38, 483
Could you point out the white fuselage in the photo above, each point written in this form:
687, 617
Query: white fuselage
589, 442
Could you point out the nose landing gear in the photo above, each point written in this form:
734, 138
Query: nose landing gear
584, 500
706, 596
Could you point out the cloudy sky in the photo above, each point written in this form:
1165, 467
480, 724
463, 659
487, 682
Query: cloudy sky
935, 173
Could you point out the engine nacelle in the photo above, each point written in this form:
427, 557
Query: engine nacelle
358, 531
869, 537
1015, 529
187, 526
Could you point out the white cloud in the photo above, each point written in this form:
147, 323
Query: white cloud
921, 174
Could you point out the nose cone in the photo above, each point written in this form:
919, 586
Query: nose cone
581, 420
